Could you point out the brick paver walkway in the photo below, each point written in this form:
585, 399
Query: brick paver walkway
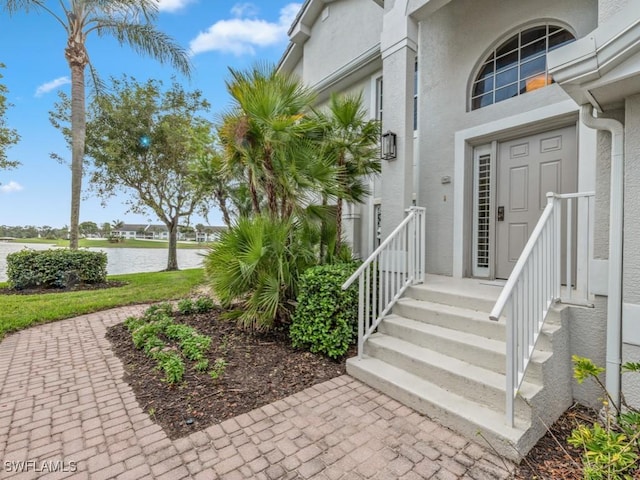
64, 406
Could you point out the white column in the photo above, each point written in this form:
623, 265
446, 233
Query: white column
399, 48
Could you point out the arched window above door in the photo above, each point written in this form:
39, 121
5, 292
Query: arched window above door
518, 65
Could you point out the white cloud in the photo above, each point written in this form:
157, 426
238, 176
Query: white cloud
244, 10
243, 35
52, 85
172, 5
11, 187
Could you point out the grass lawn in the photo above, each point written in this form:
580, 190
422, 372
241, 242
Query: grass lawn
100, 243
21, 311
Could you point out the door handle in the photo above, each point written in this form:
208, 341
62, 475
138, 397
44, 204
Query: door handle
501, 214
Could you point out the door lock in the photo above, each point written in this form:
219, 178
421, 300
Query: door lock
501, 214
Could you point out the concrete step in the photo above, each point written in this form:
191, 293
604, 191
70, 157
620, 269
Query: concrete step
478, 384
449, 316
466, 295
475, 349
470, 321
448, 408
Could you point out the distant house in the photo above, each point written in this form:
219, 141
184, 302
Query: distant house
142, 231
161, 232
209, 234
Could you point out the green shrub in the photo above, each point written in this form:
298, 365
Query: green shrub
145, 332
172, 366
132, 323
55, 268
201, 365
161, 311
325, 320
186, 306
203, 305
151, 343
218, 369
192, 344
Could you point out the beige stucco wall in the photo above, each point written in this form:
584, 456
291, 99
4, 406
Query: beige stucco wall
452, 43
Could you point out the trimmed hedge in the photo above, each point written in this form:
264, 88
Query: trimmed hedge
55, 268
326, 318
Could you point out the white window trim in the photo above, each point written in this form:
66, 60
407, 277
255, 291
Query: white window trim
488, 149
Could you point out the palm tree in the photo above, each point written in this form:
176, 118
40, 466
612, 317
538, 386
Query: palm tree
130, 22
352, 142
268, 137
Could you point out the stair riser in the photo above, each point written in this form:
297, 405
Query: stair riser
474, 303
473, 389
486, 328
438, 413
472, 354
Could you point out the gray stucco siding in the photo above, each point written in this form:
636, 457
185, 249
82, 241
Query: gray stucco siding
333, 43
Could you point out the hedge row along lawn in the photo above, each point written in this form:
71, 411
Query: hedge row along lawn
21, 311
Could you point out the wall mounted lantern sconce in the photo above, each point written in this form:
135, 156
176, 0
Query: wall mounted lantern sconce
389, 149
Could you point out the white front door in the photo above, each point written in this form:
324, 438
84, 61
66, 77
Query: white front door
528, 168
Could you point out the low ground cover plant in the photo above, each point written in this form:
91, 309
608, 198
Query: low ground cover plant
612, 445
169, 343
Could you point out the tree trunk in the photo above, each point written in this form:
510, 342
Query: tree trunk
255, 202
172, 259
338, 225
222, 203
339, 211
323, 228
77, 58
270, 187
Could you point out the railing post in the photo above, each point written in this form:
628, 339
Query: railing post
423, 245
360, 316
511, 341
569, 249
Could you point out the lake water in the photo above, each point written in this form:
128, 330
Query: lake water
119, 260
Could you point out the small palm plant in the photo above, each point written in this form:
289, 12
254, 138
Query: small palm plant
254, 267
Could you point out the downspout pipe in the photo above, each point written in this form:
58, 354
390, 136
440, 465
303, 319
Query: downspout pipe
616, 223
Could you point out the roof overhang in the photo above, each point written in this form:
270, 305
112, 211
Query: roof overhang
300, 31
602, 68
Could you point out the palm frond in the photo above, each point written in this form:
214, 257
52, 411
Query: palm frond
145, 39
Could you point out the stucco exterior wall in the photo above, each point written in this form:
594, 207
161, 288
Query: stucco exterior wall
631, 380
588, 333
333, 42
631, 255
607, 8
452, 44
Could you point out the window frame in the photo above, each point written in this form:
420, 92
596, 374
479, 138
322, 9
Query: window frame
510, 87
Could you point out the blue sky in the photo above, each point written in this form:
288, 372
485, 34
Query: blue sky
218, 33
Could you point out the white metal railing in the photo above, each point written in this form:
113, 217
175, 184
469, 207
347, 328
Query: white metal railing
398, 262
535, 284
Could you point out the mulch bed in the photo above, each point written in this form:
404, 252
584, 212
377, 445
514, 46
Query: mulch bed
261, 368
553, 458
